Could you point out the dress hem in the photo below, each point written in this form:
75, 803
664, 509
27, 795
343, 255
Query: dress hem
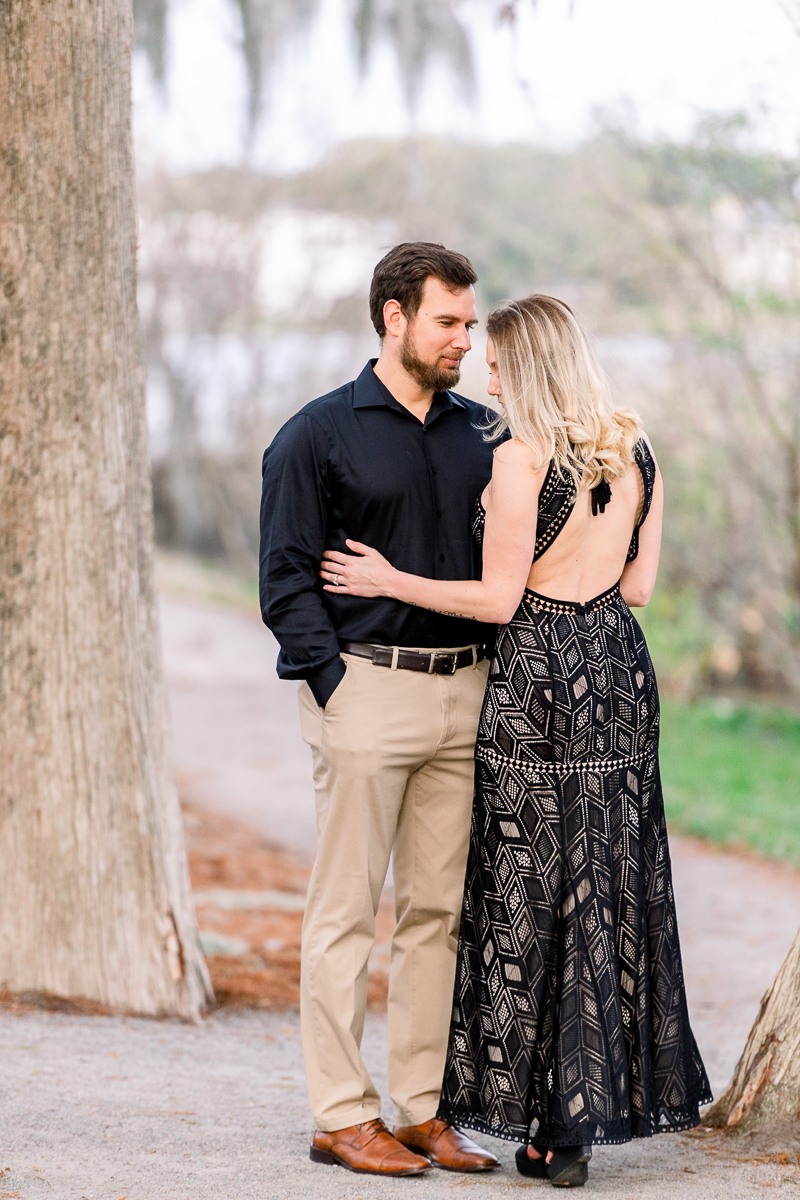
464, 1119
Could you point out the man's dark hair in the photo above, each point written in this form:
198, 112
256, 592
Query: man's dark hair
401, 275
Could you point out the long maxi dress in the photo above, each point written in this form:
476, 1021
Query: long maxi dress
570, 1023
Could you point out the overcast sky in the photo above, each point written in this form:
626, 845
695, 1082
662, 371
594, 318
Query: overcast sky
666, 61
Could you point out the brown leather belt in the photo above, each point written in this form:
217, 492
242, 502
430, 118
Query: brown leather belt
437, 662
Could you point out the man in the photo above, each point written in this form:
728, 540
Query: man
389, 705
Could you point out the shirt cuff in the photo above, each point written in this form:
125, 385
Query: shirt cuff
324, 682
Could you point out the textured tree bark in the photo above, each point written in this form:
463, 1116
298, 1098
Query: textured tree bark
766, 1082
94, 891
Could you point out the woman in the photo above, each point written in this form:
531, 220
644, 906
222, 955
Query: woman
570, 1024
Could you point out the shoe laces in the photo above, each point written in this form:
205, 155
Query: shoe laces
374, 1127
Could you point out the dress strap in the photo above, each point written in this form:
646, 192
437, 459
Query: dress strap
556, 501
646, 464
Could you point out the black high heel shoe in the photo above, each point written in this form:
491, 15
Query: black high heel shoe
568, 1166
534, 1168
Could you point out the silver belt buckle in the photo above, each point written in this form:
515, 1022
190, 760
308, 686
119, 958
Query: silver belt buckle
446, 654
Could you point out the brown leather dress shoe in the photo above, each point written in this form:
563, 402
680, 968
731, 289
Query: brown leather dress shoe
367, 1149
446, 1146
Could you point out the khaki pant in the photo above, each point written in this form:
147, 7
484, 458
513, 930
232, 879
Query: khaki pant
393, 768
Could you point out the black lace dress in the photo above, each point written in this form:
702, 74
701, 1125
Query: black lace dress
569, 1020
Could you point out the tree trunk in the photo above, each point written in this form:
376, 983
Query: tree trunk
766, 1082
94, 890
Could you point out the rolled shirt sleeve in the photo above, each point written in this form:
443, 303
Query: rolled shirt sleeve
294, 524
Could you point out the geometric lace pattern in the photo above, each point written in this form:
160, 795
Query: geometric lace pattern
569, 1015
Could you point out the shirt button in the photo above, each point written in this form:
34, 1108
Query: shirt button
441, 558
435, 470
438, 512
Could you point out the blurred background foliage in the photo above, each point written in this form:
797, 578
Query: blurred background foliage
418, 31
683, 260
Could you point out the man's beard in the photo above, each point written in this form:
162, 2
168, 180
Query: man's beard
427, 375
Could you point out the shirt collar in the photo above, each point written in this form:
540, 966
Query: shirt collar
371, 392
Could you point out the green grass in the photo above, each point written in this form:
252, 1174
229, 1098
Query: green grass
679, 638
731, 773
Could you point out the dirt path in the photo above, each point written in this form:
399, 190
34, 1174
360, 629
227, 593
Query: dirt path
235, 727
110, 1108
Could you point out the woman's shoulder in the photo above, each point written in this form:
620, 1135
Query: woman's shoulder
514, 452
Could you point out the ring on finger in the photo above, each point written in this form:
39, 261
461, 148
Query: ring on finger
336, 581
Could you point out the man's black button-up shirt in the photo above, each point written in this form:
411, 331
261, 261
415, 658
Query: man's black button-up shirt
357, 464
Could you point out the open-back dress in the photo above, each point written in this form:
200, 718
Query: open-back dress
570, 1022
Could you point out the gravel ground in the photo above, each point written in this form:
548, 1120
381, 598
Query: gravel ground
107, 1108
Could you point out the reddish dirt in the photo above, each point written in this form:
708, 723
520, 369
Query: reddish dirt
76, 1006
225, 853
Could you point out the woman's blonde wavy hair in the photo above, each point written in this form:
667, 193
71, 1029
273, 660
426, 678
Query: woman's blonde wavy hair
556, 396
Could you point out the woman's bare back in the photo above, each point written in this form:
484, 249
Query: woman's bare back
589, 554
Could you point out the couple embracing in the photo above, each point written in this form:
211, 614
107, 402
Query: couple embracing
454, 589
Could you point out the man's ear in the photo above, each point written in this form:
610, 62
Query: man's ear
393, 318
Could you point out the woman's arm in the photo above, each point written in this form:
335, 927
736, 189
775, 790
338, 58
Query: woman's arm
639, 577
508, 545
